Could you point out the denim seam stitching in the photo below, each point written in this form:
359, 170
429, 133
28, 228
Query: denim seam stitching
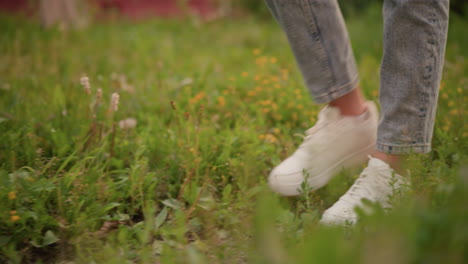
403, 149
405, 145
323, 50
436, 38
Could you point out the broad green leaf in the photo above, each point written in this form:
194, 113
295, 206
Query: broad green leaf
172, 203
110, 206
160, 218
49, 238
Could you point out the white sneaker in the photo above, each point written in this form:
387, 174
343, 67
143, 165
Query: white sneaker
377, 183
334, 143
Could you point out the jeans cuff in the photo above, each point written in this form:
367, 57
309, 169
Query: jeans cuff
403, 149
336, 92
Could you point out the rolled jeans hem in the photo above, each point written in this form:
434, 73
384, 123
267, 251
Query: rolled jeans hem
337, 92
403, 149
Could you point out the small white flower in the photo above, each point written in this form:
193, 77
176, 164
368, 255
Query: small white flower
186, 81
115, 102
128, 123
86, 85
99, 95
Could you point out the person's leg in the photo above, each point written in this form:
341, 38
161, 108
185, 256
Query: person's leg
345, 133
319, 40
350, 104
415, 33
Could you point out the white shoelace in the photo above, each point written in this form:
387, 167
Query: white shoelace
365, 186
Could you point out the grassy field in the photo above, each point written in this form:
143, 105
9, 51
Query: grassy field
216, 106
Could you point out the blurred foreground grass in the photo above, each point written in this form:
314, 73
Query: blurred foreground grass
217, 105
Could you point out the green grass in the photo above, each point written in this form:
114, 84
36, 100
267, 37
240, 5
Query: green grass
218, 105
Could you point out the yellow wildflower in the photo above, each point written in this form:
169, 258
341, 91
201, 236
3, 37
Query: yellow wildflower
259, 61
294, 116
245, 74
15, 218
273, 60
256, 52
274, 79
221, 101
12, 195
270, 138
197, 98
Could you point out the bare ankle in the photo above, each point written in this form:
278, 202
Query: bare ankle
394, 161
351, 104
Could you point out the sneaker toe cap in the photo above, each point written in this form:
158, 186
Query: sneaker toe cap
285, 184
333, 217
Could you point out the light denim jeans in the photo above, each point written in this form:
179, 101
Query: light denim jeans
415, 33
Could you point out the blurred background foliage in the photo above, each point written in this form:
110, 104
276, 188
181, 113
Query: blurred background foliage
187, 184
348, 7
